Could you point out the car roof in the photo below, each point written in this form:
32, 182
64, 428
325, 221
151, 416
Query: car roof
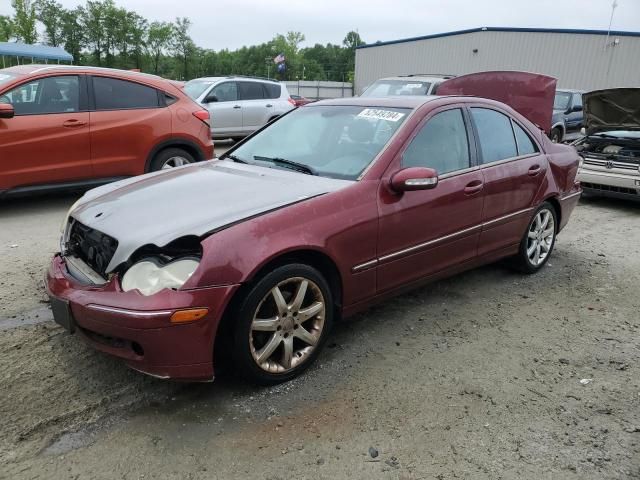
235, 77
401, 101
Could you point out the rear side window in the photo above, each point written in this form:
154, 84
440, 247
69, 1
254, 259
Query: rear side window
442, 144
251, 91
272, 90
115, 94
45, 95
525, 144
495, 135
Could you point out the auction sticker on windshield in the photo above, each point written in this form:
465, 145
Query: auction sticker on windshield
378, 114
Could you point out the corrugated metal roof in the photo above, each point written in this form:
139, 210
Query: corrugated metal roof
505, 29
16, 49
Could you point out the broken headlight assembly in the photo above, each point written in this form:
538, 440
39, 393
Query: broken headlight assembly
150, 275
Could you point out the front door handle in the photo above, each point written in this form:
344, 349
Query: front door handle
73, 123
534, 170
237, 106
269, 105
474, 187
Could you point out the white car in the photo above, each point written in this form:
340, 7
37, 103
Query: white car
415, 84
239, 105
611, 148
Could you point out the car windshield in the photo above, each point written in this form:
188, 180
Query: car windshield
195, 88
561, 102
332, 141
6, 78
385, 88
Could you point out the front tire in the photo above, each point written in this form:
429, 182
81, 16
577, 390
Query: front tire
282, 324
171, 158
538, 240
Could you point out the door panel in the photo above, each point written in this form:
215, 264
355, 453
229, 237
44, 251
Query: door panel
226, 113
48, 139
255, 107
424, 232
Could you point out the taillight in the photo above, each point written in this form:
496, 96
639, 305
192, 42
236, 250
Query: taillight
292, 102
202, 115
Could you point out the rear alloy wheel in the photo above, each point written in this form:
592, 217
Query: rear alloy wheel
539, 239
171, 158
283, 324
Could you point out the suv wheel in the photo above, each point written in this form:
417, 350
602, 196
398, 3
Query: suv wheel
171, 158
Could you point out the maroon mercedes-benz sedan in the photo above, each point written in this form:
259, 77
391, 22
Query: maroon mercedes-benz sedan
335, 206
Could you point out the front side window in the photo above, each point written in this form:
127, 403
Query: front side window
495, 134
386, 88
441, 144
334, 141
45, 95
251, 91
226, 92
115, 94
577, 100
561, 101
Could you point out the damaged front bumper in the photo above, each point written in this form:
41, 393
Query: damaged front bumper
138, 328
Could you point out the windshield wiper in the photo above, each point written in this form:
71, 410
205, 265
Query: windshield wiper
231, 156
300, 167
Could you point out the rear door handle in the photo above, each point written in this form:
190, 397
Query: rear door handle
269, 105
474, 187
73, 123
237, 106
535, 170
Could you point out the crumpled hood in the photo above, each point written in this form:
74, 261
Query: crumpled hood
612, 109
192, 200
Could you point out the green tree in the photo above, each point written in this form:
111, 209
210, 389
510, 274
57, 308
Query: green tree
72, 34
50, 13
24, 21
6, 28
158, 39
182, 45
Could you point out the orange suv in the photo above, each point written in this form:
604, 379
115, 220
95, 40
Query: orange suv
64, 127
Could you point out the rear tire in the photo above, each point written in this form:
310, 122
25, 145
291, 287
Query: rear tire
556, 135
282, 324
538, 240
171, 158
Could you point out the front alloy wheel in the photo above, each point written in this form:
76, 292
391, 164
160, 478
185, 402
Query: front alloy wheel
282, 324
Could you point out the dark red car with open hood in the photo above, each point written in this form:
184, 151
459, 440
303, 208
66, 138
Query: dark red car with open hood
331, 208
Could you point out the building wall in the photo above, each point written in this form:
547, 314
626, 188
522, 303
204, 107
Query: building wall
318, 90
577, 60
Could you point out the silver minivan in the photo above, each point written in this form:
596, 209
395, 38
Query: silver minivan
239, 105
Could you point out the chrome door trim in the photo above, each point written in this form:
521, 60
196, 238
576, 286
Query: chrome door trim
506, 217
365, 266
571, 196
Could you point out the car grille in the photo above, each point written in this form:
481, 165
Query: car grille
609, 188
604, 161
95, 248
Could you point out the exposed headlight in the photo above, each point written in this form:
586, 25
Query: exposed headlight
65, 221
149, 276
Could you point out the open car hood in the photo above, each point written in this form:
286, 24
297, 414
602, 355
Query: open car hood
530, 94
612, 109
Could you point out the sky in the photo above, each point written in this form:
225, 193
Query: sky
219, 24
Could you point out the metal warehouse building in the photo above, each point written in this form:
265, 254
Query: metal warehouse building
582, 59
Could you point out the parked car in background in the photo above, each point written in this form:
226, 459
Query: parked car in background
414, 84
239, 105
611, 147
568, 118
331, 208
64, 127
299, 100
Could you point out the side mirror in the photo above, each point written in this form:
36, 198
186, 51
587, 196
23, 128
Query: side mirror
6, 110
210, 99
414, 178
575, 108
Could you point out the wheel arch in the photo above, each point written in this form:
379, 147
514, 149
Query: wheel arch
555, 203
191, 147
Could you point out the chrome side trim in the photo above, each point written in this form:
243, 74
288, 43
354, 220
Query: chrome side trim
509, 160
133, 313
420, 246
365, 266
506, 217
571, 196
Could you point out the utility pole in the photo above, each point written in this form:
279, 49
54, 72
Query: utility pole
614, 5
268, 61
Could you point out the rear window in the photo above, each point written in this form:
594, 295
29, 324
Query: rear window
272, 90
114, 94
386, 88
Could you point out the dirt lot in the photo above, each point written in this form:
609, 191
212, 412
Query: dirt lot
478, 376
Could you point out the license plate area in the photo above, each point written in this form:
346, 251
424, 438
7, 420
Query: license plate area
62, 314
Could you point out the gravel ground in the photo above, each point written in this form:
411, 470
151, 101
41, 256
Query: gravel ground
489, 374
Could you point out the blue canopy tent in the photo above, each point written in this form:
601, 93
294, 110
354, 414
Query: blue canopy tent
41, 52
